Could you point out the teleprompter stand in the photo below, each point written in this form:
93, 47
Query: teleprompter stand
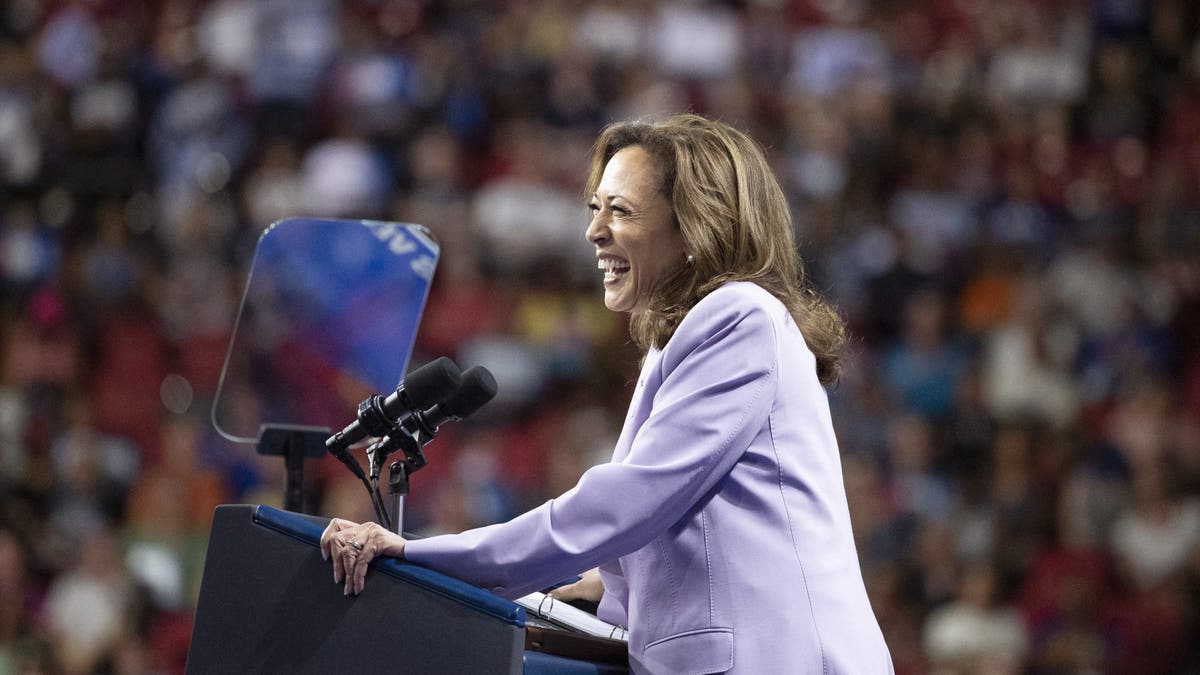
295, 442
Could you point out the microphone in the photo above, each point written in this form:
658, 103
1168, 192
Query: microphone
422, 388
419, 429
477, 388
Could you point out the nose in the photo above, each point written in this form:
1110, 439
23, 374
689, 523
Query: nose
597, 232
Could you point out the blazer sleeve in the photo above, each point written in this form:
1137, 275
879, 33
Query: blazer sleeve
718, 382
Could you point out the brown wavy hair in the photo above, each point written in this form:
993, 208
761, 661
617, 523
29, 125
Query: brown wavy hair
735, 224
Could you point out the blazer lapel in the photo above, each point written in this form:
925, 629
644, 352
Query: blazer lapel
649, 380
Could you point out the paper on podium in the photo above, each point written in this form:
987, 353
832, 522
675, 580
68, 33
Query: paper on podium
565, 615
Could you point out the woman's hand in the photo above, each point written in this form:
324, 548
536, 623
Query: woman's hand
352, 546
589, 587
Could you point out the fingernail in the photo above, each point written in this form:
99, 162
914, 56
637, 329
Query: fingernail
324, 555
347, 590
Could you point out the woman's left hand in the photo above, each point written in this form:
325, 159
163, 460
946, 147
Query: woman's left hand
352, 546
589, 587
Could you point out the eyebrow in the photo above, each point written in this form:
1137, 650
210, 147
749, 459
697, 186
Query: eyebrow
610, 197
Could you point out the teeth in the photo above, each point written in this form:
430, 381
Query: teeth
612, 266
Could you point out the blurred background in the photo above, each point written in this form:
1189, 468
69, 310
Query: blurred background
999, 196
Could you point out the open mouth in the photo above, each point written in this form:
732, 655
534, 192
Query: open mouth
614, 268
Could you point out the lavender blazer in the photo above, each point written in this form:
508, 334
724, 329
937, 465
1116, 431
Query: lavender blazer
720, 526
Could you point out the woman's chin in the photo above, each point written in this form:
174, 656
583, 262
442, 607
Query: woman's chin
616, 301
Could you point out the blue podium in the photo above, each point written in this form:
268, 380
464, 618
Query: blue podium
268, 604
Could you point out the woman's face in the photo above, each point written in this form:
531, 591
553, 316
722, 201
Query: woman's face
637, 243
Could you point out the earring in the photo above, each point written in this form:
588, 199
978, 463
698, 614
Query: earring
691, 259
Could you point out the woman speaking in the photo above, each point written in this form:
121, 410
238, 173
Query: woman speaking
719, 529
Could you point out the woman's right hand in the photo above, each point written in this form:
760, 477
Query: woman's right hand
352, 546
589, 588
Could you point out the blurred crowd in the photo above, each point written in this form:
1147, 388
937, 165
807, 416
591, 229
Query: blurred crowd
1000, 196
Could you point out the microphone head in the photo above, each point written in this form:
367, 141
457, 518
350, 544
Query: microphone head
431, 383
478, 387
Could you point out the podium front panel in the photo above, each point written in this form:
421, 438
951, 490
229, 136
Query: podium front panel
268, 604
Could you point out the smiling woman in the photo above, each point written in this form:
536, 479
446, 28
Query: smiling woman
637, 243
733, 221
719, 533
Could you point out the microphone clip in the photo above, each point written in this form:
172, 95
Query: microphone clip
396, 437
374, 419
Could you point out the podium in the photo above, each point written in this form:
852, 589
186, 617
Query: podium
268, 604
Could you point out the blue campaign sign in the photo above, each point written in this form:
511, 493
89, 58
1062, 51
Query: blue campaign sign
329, 316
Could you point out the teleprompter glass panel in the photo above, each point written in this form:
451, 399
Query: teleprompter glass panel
328, 317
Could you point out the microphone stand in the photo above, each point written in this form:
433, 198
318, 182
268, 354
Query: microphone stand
375, 459
398, 472
375, 420
398, 489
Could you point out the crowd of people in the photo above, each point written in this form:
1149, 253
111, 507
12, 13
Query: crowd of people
1000, 197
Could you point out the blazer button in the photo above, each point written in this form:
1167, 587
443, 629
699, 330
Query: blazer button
498, 590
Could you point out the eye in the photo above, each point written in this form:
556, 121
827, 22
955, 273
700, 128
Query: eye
619, 210
593, 207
